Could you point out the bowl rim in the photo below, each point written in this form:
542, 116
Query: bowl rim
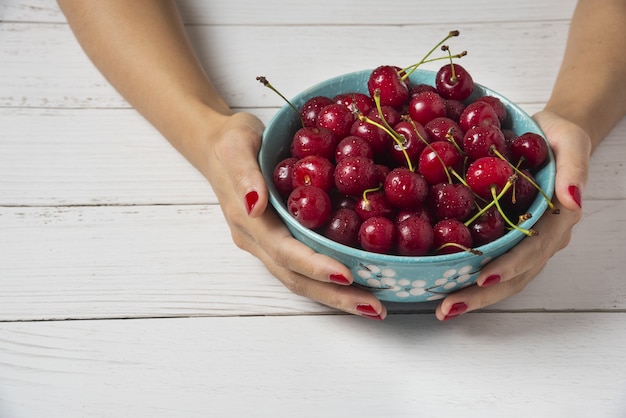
538, 207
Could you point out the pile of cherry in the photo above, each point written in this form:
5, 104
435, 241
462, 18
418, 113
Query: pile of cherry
410, 169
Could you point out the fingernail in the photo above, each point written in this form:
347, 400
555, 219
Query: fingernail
456, 310
339, 279
491, 280
367, 310
574, 191
251, 199
374, 317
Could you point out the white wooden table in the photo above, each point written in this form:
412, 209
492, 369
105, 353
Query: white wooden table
113, 250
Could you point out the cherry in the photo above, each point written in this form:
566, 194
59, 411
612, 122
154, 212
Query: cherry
454, 82
454, 109
311, 108
436, 160
313, 141
374, 203
353, 146
451, 236
343, 227
337, 118
451, 201
283, 176
353, 175
422, 212
388, 81
529, 150
418, 88
310, 206
478, 113
414, 140
481, 140
496, 104
487, 227
390, 114
378, 138
356, 102
487, 172
405, 188
519, 198
313, 170
426, 106
444, 129
414, 236
378, 235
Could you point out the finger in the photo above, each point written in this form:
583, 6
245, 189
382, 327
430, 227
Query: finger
474, 298
572, 149
237, 153
345, 298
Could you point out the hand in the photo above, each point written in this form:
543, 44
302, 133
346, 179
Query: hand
236, 179
510, 273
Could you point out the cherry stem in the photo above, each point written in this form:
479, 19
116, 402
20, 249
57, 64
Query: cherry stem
528, 232
506, 187
267, 84
462, 247
553, 208
365, 192
408, 70
452, 73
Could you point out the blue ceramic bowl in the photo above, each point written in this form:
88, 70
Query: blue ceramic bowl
390, 277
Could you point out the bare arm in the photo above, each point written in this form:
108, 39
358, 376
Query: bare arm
141, 48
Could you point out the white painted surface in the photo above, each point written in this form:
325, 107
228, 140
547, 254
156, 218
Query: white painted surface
100, 220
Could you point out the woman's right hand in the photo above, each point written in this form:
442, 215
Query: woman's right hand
240, 187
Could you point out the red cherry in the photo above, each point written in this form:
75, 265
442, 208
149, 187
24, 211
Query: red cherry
487, 227
343, 227
530, 149
415, 139
374, 204
311, 108
337, 118
454, 82
451, 201
283, 176
451, 236
478, 113
313, 141
378, 235
415, 236
486, 172
480, 140
405, 189
356, 102
387, 80
353, 146
378, 138
436, 159
496, 104
444, 129
313, 170
426, 106
310, 206
353, 175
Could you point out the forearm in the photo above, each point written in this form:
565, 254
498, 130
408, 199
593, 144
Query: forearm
141, 47
590, 89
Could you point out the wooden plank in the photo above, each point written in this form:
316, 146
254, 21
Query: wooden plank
484, 365
250, 12
43, 66
112, 156
170, 261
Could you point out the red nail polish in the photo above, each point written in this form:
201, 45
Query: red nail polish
366, 309
339, 279
457, 309
574, 191
491, 280
251, 199
449, 317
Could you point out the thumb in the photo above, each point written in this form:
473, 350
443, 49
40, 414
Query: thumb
572, 149
238, 156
